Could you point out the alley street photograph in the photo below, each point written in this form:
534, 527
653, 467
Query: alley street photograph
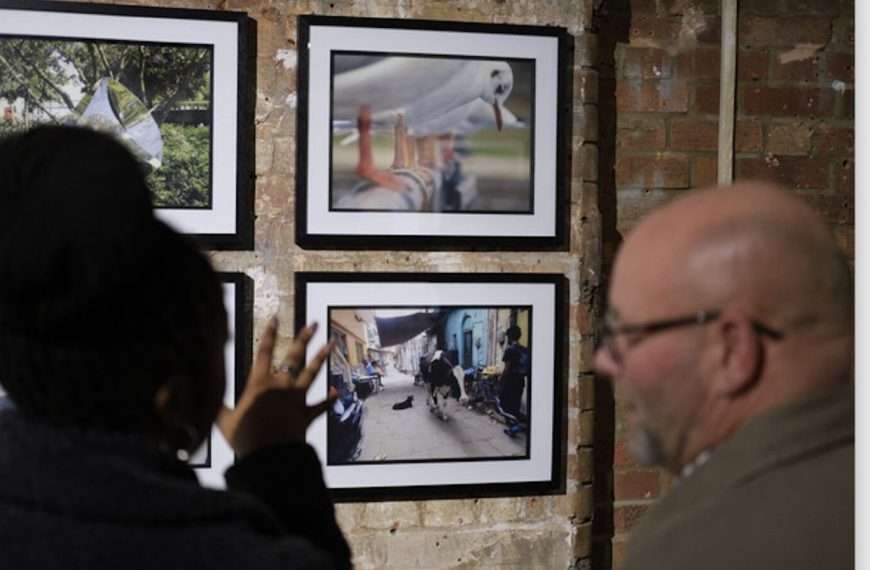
426, 384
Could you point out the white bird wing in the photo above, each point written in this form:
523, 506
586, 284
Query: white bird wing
421, 89
392, 83
479, 79
444, 123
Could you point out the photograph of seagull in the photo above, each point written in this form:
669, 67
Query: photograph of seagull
431, 134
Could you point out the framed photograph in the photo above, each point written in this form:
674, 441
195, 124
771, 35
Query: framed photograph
215, 455
449, 385
432, 135
173, 85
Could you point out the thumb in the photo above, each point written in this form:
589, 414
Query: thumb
317, 409
225, 420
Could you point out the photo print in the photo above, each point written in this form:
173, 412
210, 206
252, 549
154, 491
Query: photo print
449, 385
165, 82
215, 455
429, 384
416, 134
155, 98
431, 134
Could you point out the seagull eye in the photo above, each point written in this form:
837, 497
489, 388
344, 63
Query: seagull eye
494, 72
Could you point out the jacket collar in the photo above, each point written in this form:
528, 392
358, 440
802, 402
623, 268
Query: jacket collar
821, 420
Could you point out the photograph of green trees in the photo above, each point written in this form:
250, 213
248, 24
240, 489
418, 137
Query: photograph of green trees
155, 97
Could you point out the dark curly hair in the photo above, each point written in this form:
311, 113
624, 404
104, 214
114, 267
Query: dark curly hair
100, 302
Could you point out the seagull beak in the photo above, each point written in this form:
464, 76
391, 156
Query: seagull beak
497, 110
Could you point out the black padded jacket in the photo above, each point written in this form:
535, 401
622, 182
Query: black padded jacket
73, 499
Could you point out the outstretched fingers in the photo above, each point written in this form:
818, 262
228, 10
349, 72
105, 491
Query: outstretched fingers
263, 360
306, 377
294, 360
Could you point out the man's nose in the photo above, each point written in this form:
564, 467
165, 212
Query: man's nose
604, 363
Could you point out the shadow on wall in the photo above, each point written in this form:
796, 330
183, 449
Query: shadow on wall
612, 20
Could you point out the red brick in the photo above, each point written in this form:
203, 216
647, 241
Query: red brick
845, 238
791, 138
847, 8
641, 134
828, 140
694, 134
622, 458
840, 66
626, 517
707, 63
649, 7
846, 104
843, 33
643, 62
748, 136
704, 171
752, 65
784, 101
790, 171
618, 552
759, 9
635, 485
699, 63
582, 317
707, 98
666, 95
829, 7
711, 32
632, 205
662, 171
806, 70
845, 177
646, 29
783, 31
679, 7
835, 209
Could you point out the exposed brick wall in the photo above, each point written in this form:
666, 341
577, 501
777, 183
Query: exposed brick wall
551, 532
795, 99
659, 105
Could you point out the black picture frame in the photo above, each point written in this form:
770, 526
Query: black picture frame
215, 455
213, 202
514, 202
419, 475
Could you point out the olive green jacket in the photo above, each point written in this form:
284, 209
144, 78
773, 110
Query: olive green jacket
779, 495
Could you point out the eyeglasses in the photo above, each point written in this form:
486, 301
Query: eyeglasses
633, 334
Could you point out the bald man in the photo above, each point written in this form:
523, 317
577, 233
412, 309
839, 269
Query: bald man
729, 340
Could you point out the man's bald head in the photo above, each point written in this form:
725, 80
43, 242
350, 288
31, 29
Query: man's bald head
724, 304
753, 244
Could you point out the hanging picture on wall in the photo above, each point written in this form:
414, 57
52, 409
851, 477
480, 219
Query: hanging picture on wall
215, 455
431, 135
449, 385
170, 84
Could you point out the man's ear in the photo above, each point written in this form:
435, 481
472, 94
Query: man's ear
740, 359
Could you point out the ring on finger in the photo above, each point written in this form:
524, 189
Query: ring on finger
289, 369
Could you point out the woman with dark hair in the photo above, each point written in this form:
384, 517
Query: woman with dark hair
112, 330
